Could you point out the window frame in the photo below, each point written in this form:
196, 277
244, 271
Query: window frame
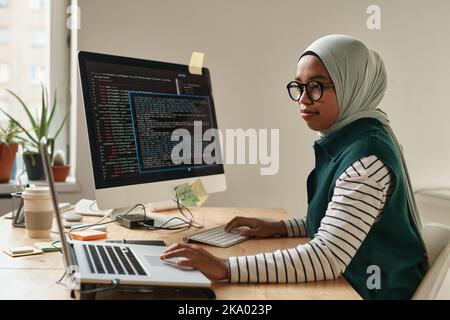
59, 69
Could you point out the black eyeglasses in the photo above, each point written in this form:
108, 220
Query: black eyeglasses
314, 89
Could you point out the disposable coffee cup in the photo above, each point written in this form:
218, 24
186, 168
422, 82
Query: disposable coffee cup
38, 211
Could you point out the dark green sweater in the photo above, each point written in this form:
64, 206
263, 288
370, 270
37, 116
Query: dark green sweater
393, 244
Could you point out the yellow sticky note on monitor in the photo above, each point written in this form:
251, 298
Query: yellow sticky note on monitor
196, 63
199, 190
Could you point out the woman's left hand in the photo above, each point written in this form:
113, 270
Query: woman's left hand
211, 266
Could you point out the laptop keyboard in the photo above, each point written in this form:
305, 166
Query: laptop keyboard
218, 237
112, 260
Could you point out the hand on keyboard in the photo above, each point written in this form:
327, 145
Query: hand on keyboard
217, 237
257, 228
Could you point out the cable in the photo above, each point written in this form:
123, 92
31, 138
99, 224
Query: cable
59, 281
90, 206
115, 283
53, 245
185, 224
93, 224
103, 223
188, 223
192, 221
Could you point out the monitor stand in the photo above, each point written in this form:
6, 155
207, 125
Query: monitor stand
154, 207
163, 205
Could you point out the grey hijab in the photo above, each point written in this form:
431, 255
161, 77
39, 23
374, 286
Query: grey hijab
360, 81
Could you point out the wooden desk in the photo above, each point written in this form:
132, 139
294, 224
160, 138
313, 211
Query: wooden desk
34, 277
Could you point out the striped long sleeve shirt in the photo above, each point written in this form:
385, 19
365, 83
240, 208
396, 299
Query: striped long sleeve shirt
358, 199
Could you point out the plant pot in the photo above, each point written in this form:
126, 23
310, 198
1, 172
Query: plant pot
7, 157
60, 173
33, 163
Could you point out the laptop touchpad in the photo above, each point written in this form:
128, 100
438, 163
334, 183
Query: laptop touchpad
154, 261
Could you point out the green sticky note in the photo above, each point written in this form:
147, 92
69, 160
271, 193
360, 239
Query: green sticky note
48, 246
185, 195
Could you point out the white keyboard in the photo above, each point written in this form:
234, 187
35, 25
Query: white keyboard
217, 237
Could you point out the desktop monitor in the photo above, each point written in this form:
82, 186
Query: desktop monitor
133, 107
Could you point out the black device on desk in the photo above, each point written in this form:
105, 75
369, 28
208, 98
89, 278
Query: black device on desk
141, 242
133, 221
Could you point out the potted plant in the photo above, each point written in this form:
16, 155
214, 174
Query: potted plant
9, 142
40, 127
59, 167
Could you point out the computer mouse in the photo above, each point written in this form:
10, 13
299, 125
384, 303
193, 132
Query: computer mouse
72, 217
71, 224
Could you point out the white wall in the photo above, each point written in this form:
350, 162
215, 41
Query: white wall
251, 49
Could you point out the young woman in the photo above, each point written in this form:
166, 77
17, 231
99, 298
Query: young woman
361, 210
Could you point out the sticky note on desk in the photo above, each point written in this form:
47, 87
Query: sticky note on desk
88, 234
18, 250
48, 246
196, 63
22, 251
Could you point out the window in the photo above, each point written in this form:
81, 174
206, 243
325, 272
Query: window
25, 55
4, 35
5, 73
37, 4
39, 37
37, 74
22, 69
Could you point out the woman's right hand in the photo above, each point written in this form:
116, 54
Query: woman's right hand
258, 228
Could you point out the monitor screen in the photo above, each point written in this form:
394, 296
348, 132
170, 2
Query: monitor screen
133, 107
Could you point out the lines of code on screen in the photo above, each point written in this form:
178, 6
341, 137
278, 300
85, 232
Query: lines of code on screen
113, 126
155, 117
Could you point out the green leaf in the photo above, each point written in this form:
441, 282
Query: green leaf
21, 139
43, 115
33, 123
17, 123
52, 112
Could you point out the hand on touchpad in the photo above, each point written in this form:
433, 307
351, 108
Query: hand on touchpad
173, 263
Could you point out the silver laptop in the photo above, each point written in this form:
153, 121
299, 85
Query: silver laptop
127, 264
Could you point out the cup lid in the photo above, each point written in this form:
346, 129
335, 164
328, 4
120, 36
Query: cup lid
36, 191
